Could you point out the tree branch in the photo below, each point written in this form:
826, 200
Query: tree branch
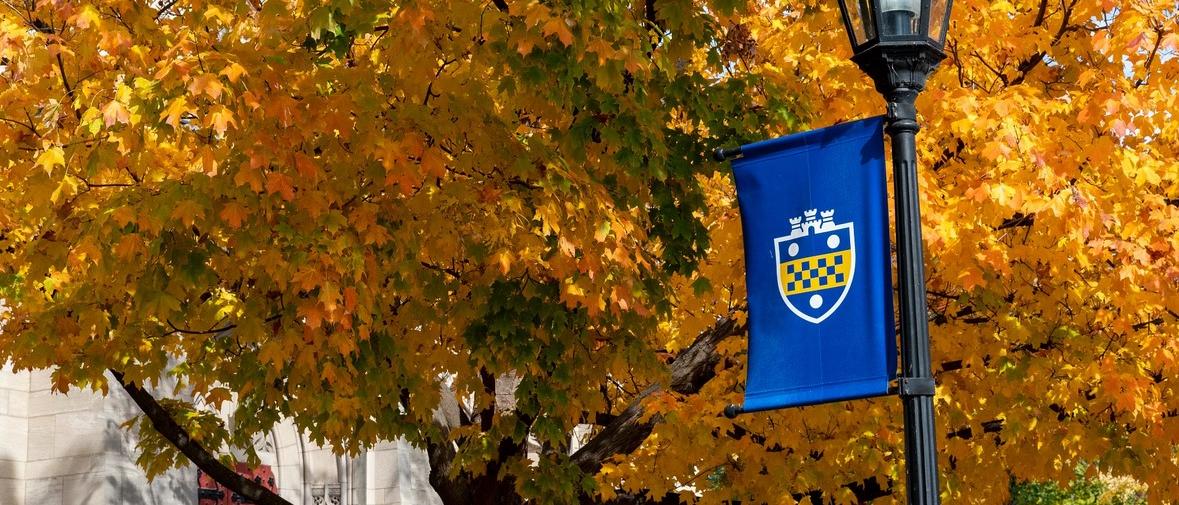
65, 82
1026, 66
1159, 35
26, 126
164, 10
690, 370
163, 423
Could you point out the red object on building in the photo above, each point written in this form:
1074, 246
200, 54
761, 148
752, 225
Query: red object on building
209, 492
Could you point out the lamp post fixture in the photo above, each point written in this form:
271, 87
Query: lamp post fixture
898, 43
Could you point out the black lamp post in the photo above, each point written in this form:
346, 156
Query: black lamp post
898, 43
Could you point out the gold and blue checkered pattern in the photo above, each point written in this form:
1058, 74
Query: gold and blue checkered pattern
815, 273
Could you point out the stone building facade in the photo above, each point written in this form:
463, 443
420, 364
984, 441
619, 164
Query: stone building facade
71, 449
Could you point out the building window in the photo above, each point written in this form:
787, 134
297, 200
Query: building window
209, 492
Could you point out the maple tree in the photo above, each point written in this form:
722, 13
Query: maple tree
1050, 199
360, 215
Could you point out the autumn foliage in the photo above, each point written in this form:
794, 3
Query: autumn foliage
327, 211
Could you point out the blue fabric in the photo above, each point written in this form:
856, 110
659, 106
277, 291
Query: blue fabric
818, 266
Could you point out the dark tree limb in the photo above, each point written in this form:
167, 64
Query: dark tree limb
1026, 66
1018, 219
1159, 35
690, 370
865, 491
163, 423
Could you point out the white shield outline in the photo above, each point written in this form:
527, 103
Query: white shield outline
851, 273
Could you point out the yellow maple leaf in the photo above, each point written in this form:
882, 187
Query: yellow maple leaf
129, 246
306, 167
206, 84
434, 162
560, 27
114, 113
86, 17
50, 158
525, 43
220, 117
233, 214
277, 182
247, 175
187, 211
233, 71
311, 313
175, 109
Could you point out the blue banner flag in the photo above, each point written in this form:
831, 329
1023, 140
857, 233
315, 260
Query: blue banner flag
818, 266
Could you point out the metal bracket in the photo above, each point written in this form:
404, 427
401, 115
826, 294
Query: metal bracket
915, 386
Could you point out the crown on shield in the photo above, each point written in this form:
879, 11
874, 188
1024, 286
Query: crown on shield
811, 220
796, 225
828, 219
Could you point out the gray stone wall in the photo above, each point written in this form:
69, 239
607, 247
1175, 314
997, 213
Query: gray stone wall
70, 449
60, 449
14, 434
400, 475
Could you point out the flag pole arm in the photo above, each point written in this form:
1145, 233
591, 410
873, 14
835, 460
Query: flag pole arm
722, 154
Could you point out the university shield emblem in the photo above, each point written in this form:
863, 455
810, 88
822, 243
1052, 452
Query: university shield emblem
816, 264
820, 287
